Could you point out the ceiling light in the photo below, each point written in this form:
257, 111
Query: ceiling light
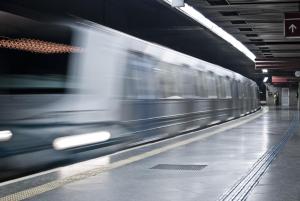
177, 3
265, 70
197, 16
266, 79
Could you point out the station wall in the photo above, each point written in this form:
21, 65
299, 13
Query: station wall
272, 90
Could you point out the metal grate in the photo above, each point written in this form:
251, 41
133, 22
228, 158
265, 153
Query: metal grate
178, 167
238, 22
263, 48
229, 13
245, 29
251, 35
218, 2
256, 40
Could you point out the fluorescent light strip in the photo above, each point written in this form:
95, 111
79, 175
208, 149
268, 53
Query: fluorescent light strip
197, 16
72, 141
265, 70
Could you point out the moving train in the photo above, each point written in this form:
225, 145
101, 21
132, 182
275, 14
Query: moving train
72, 87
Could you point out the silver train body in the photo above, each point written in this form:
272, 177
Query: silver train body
126, 89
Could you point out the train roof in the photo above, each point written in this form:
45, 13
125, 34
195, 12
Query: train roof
184, 58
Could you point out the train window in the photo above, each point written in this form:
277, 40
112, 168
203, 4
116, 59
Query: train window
201, 85
243, 94
194, 82
256, 92
34, 63
188, 82
240, 90
228, 87
140, 79
235, 88
167, 78
212, 85
221, 87
252, 92
246, 90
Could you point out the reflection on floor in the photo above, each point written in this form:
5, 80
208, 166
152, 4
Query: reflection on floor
204, 165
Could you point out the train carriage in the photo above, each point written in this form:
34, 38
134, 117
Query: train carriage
104, 89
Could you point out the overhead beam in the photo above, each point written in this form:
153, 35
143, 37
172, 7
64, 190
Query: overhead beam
283, 79
254, 7
277, 63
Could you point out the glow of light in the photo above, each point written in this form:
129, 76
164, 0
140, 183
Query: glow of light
5, 135
266, 79
265, 70
84, 166
67, 142
38, 46
199, 17
265, 133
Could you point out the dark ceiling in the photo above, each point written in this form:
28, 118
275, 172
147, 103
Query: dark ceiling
256, 23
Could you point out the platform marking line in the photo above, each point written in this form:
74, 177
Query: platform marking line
31, 192
241, 189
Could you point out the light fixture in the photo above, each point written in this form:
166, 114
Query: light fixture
38, 46
5, 135
177, 3
199, 17
73, 141
266, 79
265, 70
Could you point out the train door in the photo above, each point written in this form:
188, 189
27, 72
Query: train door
140, 104
222, 100
189, 94
253, 98
212, 96
243, 98
229, 98
203, 103
240, 97
171, 97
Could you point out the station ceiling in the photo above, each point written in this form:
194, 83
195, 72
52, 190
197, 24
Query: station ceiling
256, 23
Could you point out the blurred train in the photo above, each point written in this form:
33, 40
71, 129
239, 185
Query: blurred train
69, 87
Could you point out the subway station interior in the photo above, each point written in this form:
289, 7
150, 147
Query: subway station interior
150, 100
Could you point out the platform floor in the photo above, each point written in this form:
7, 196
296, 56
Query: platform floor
254, 157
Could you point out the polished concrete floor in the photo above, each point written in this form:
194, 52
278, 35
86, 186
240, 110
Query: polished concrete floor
211, 164
281, 182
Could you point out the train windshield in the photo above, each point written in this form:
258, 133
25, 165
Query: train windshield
36, 62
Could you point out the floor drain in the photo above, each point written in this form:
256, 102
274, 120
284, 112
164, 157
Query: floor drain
178, 167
